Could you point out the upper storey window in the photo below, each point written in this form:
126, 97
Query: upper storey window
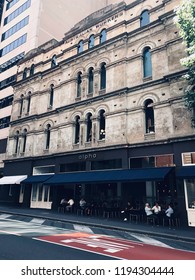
79, 84
25, 73
15, 28
144, 18
103, 76
53, 61
47, 136
91, 42
17, 12
13, 45
80, 47
90, 80
32, 70
103, 36
51, 96
147, 63
149, 116
21, 104
10, 4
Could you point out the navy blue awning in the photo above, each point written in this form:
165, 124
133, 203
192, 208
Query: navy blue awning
186, 172
144, 174
36, 179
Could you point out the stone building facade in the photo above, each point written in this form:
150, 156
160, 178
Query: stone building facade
106, 101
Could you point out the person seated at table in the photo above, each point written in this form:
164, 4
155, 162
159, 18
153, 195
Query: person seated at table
70, 204
126, 211
149, 211
156, 208
63, 203
82, 203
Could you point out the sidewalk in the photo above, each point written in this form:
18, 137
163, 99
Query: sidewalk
185, 234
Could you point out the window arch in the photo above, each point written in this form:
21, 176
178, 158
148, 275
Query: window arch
79, 84
16, 138
144, 18
89, 127
90, 80
103, 34
77, 130
21, 104
32, 69
51, 95
91, 42
80, 47
47, 135
102, 125
24, 137
25, 73
147, 63
53, 61
149, 116
103, 76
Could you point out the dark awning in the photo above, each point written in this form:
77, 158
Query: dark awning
186, 172
144, 174
36, 179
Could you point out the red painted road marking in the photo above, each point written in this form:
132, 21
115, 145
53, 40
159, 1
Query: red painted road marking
117, 248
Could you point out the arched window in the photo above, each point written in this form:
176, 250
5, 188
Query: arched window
91, 42
24, 136
21, 104
28, 102
103, 76
51, 95
90, 80
53, 61
144, 18
77, 130
149, 116
25, 73
103, 36
32, 69
80, 47
147, 63
16, 138
47, 135
89, 127
79, 84
102, 125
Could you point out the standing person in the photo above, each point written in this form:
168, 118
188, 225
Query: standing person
169, 211
70, 204
127, 210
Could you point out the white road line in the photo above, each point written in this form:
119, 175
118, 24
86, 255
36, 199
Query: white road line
82, 228
4, 216
37, 221
148, 240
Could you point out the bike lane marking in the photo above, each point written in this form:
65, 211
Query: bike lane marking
116, 248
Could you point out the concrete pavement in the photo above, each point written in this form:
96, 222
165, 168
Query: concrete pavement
181, 233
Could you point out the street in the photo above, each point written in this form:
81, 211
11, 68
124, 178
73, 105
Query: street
21, 240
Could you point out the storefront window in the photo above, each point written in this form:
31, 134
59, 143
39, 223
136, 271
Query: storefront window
34, 192
190, 190
46, 193
40, 193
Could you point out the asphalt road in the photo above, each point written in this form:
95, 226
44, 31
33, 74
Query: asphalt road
21, 240
24, 248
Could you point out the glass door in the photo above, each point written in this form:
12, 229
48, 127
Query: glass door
40, 196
